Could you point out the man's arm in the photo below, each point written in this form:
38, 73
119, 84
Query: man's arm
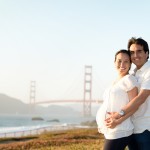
129, 109
112, 122
135, 103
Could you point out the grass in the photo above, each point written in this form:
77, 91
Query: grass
77, 139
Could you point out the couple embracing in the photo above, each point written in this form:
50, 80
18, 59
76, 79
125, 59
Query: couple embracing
124, 117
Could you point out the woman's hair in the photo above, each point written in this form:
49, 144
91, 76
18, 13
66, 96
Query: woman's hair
124, 52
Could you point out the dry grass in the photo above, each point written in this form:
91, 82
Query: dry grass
77, 139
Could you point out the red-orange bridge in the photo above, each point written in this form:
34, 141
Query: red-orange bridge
87, 97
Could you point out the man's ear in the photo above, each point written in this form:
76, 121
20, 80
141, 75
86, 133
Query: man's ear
147, 54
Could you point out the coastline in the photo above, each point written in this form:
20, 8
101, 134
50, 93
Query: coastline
40, 130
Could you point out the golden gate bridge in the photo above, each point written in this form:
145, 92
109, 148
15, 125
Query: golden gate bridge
87, 97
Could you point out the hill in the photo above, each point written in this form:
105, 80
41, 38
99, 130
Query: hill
9, 105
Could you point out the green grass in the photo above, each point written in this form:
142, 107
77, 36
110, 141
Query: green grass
77, 139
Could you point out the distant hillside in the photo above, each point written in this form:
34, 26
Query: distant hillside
9, 105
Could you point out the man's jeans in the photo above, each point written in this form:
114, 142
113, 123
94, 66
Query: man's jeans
140, 141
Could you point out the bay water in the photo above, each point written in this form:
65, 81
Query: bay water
15, 123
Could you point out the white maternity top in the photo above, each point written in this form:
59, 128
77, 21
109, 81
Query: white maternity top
115, 97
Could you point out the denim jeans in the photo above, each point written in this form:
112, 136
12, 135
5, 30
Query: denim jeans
140, 141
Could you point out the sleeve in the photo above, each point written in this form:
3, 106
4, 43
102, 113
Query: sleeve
146, 81
129, 83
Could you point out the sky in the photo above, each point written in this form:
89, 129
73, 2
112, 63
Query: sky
51, 41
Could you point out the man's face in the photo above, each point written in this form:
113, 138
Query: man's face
138, 55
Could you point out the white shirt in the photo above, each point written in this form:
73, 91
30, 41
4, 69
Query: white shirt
141, 118
115, 98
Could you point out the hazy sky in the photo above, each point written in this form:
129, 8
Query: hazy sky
50, 41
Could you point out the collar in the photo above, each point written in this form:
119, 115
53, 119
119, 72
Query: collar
143, 68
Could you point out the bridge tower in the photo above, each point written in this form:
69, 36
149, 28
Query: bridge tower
87, 91
32, 96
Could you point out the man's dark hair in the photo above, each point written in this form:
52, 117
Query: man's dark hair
139, 41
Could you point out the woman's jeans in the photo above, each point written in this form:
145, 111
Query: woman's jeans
140, 141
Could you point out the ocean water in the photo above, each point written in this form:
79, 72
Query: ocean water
17, 123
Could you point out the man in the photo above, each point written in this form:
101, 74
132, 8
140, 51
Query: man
139, 51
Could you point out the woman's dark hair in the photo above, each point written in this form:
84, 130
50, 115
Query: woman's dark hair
139, 41
124, 52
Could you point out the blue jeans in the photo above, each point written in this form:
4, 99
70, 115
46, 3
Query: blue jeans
140, 141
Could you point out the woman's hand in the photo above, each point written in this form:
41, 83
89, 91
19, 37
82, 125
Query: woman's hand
111, 123
114, 115
112, 120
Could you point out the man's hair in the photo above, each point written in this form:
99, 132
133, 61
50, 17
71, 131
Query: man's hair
139, 41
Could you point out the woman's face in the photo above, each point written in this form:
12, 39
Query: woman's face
122, 63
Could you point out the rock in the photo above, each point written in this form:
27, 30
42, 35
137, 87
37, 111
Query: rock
37, 118
53, 120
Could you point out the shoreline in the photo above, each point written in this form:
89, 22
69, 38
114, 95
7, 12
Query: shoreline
40, 130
